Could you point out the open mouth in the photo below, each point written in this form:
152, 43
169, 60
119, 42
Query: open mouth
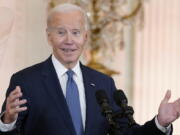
68, 50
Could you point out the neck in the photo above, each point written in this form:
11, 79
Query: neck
68, 65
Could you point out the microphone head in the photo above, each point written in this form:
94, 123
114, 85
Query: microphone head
101, 96
120, 98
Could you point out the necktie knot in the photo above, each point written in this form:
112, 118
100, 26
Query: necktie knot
70, 73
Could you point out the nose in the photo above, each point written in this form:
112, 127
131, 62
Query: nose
69, 39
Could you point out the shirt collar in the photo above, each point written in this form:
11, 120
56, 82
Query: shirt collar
61, 69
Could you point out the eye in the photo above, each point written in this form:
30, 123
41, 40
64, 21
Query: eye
76, 32
61, 32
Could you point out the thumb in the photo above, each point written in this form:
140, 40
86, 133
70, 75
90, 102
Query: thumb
167, 97
18, 87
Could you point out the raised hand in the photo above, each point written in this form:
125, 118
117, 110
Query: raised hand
13, 105
168, 112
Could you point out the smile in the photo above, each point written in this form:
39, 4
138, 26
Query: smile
68, 50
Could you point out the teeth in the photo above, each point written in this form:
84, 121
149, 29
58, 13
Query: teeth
68, 50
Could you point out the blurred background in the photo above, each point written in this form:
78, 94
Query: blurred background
134, 41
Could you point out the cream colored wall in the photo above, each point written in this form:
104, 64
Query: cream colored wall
156, 49
157, 55
26, 40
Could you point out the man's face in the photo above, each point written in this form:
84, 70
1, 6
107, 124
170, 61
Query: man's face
67, 36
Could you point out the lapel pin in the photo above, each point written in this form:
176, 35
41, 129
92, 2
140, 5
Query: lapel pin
92, 84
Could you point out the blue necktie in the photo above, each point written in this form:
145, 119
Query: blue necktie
72, 98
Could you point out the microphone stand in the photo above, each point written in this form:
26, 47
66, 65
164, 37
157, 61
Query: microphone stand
128, 111
110, 115
107, 112
114, 127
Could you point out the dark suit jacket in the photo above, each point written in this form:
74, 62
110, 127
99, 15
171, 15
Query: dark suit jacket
48, 113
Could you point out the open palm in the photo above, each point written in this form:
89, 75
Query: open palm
168, 112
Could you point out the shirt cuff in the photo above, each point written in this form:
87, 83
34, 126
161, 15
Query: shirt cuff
165, 130
6, 127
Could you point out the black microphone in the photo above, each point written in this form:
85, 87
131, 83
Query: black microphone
122, 102
106, 110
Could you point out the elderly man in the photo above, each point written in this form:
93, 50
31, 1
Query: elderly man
57, 96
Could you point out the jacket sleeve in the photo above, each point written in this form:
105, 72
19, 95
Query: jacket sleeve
13, 83
149, 128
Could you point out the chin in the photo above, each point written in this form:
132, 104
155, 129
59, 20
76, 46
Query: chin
71, 61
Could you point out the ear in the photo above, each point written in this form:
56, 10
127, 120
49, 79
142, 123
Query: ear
48, 35
86, 36
47, 32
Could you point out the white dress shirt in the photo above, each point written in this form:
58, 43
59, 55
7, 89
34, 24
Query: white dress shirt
62, 76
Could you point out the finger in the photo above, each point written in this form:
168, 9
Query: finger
167, 97
13, 98
18, 103
16, 90
178, 105
20, 109
177, 102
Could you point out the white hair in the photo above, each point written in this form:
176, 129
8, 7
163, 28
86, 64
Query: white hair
67, 7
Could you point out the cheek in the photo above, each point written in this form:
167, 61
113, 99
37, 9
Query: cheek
55, 42
81, 42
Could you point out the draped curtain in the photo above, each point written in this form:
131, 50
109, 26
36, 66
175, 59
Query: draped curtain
22, 37
156, 60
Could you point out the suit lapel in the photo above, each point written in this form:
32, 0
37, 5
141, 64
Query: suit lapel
55, 92
90, 88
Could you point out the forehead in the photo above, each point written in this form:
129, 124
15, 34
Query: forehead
69, 19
